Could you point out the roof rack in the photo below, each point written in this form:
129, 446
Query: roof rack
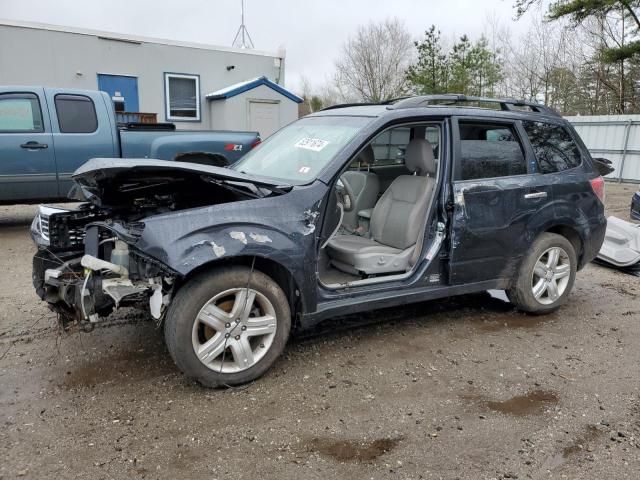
508, 104
364, 104
346, 105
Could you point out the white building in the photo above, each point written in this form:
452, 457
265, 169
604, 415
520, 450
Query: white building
165, 78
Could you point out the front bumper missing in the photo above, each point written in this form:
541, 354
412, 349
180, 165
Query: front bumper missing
85, 289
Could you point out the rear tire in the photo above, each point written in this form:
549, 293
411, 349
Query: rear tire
546, 275
227, 327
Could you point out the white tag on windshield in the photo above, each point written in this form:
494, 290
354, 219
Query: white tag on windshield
314, 144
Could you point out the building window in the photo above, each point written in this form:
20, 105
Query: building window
76, 114
182, 97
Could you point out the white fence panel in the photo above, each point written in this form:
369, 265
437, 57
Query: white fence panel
616, 137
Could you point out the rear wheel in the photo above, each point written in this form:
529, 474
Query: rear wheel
546, 275
227, 327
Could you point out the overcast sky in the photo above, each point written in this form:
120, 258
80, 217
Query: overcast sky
311, 31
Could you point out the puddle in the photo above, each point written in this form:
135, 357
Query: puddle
350, 450
122, 366
591, 434
580, 444
533, 403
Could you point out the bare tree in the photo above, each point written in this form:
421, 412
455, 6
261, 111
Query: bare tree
373, 63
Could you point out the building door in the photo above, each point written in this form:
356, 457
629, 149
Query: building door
121, 87
264, 117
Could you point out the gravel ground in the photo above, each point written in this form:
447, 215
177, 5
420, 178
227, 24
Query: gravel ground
465, 388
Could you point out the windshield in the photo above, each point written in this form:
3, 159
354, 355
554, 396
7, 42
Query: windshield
299, 151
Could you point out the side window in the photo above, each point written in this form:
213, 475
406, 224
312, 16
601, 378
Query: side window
389, 147
76, 114
554, 148
489, 151
20, 113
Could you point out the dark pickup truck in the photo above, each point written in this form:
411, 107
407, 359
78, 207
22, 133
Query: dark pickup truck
47, 133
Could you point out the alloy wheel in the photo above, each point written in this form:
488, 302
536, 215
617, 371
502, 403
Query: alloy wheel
234, 330
550, 275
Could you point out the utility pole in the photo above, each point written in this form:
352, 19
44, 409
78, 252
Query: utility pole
242, 38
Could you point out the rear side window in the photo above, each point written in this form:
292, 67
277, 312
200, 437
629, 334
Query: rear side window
553, 146
489, 151
20, 113
76, 114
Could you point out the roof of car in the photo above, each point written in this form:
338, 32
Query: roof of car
445, 105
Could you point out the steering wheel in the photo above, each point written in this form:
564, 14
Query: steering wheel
345, 194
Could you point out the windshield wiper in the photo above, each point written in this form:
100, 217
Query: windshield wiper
239, 187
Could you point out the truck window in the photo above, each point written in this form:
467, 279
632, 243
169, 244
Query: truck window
554, 148
76, 114
20, 113
489, 151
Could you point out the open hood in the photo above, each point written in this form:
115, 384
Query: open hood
116, 181
98, 170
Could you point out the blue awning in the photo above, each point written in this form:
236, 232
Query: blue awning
238, 88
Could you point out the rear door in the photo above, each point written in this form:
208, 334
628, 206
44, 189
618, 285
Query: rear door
27, 159
82, 128
495, 194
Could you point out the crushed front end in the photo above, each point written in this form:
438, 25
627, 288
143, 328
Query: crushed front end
87, 265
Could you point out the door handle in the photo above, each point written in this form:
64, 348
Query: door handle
532, 195
32, 145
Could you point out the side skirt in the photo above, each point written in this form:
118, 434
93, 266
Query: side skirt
363, 303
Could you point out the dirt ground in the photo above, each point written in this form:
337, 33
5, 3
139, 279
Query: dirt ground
465, 388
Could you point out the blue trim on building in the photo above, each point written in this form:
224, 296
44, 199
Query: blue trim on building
253, 84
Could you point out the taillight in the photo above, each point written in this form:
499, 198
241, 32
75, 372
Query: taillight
256, 143
597, 184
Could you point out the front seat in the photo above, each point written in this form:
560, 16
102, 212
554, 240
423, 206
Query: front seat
365, 186
396, 223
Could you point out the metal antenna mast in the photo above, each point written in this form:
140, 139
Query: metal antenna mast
242, 38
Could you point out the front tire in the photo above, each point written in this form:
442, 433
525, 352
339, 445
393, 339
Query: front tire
546, 275
227, 327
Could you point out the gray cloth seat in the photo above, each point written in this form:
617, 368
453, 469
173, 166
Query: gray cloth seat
365, 186
397, 222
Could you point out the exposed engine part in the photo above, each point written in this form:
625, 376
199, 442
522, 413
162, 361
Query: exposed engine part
95, 264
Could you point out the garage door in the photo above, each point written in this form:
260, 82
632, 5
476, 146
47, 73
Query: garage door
264, 117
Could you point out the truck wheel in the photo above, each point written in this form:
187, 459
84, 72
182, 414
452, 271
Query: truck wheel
546, 275
227, 327
211, 159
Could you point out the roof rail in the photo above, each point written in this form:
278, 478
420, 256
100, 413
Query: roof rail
346, 105
508, 104
361, 104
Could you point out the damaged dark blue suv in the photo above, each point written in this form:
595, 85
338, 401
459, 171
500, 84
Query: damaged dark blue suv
350, 209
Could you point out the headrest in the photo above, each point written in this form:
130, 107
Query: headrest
419, 157
366, 156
